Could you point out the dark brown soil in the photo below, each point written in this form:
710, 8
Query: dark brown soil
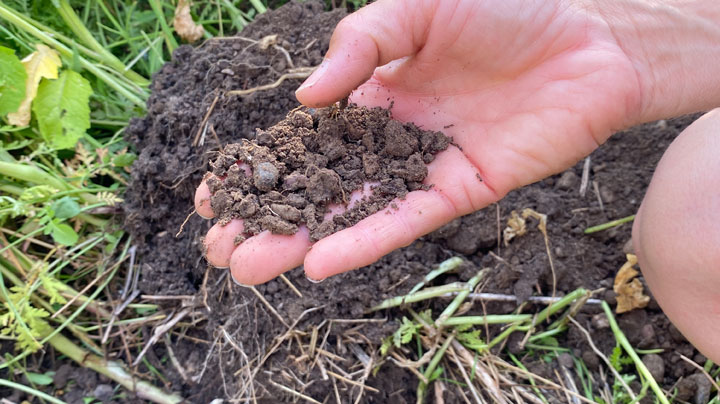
234, 327
292, 173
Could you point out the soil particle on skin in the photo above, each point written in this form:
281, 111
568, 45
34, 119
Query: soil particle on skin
308, 162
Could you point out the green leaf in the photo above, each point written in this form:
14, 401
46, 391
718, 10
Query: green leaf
62, 233
39, 378
124, 160
12, 81
32, 194
62, 110
65, 208
436, 373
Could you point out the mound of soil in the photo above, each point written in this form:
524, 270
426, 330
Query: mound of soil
241, 332
171, 164
294, 172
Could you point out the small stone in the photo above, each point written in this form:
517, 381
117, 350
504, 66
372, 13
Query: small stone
702, 388
607, 195
61, 376
103, 392
567, 180
591, 359
600, 321
566, 360
647, 336
628, 247
685, 389
655, 365
265, 176
610, 297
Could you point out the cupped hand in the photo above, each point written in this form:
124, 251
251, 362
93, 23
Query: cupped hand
525, 88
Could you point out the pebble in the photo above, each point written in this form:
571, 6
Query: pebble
591, 359
265, 176
647, 337
656, 366
566, 360
600, 321
103, 392
567, 180
610, 297
607, 195
628, 247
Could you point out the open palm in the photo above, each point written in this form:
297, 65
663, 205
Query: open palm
525, 88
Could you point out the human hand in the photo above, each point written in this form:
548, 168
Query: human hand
525, 88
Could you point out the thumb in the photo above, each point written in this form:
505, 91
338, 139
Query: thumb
373, 36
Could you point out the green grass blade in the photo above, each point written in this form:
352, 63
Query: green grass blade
30, 390
642, 369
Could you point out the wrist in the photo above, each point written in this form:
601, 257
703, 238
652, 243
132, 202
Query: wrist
674, 46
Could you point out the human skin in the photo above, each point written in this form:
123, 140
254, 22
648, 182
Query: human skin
529, 87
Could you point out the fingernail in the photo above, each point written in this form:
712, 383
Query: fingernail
238, 283
316, 76
204, 217
313, 280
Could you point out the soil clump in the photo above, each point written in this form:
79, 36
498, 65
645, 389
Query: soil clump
294, 172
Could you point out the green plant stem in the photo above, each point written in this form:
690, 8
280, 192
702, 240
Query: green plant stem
113, 370
432, 366
609, 225
11, 16
37, 176
258, 6
32, 174
30, 390
78, 28
530, 378
170, 41
424, 294
487, 320
542, 316
457, 301
445, 266
642, 369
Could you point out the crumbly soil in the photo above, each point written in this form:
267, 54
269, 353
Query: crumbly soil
233, 329
294, 172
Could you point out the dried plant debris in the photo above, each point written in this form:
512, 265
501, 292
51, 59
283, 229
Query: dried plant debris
315, 161
184, 24
628, 288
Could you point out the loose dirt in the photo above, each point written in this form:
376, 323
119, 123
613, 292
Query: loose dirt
234, 331
293, 173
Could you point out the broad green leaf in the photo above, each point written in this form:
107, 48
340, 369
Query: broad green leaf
43, 63
65, 208
62, 111
62, 233
12, 81
39, 378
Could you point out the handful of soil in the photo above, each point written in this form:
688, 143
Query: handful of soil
294, 172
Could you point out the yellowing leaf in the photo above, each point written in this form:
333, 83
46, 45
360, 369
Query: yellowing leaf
629, 290
515, 227
44, 62
184, 24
